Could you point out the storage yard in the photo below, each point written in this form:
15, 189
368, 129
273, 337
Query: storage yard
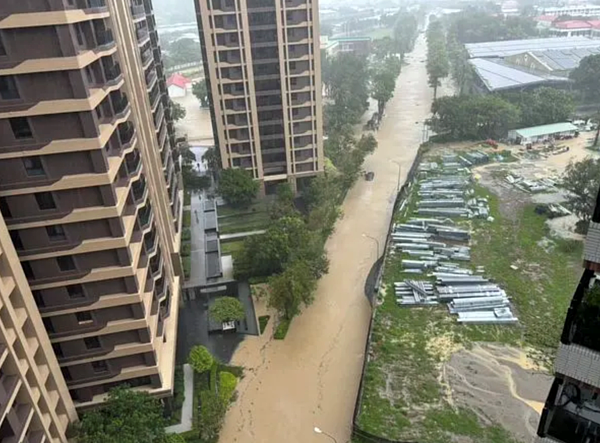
475, 288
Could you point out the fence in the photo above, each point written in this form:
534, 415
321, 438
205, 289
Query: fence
378, 269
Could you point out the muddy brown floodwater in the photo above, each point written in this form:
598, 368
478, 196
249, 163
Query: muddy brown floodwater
311, 378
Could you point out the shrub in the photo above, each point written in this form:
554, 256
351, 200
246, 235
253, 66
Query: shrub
263, 321
200, 359
187, 267
212, 412
186, 235
186, 250
282, 329
227, 385
226, 309
187, 219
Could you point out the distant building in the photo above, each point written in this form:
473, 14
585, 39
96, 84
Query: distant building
574, 11
539, 133
355, 45
545, 21
575, 28
526, 64
177, 85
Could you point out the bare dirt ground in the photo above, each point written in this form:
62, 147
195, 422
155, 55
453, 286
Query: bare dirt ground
500, 385
311, 378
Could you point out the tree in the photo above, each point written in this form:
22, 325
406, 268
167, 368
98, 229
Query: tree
177, 111
438, 66
183, 51
126, 417
582, 180
200, 359
237, 187
212, 157
291, 289
227, 309
587, 77
383, 85
405, 32
200, 90
174, 438
284, 203
543, 106
194, 182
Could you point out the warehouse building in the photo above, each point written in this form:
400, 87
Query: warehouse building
537, 134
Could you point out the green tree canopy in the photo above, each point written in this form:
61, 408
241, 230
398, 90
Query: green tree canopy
476, 25
473, 117
126, 417
291, 289
237, 187
384, 78
587, 77
200, 359
543, 106
200, 90
212, 412
283, 206
177, 111
227, 385
405, 32
226, 309
582, 180
438, 66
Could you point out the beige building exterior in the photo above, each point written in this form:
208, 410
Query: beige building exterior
91, 196
262, 63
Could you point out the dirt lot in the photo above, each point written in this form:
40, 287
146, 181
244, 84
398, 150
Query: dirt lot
501, 385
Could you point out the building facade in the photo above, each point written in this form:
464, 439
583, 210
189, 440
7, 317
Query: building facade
572, 410
89, 188
35, 405
263, 70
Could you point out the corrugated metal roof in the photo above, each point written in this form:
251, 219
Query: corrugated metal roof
511, 47
538, 131
497, 76
565, 59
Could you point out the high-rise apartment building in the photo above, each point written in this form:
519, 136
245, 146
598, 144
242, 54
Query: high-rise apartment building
572, 410
90, 193
35, 405
262, 65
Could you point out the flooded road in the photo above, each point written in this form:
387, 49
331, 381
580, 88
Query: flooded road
311, 378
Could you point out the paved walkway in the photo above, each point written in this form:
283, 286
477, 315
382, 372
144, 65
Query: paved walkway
241, 235
188, 402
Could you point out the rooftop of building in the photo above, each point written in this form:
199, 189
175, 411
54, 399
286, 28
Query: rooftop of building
540, 131
546, 18
498, 76
512, 47
178, 80
566, 59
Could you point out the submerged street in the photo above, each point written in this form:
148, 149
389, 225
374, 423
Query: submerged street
312, 377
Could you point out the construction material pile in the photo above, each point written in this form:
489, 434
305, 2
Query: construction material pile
532, 186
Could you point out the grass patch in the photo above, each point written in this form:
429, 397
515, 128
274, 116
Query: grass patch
282, 329
230, 248
253, 221
263, 320
187, 267
257, 206
187, 198
397, 391
187, 219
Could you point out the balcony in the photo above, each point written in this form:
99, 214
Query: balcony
145, 217
138, 11
93, 4
147, 58
133, 162
113, 75
150, 243
104, 39
126, 134
155, 265
151, 78
158, 117
120, 106
143, 35
139, 190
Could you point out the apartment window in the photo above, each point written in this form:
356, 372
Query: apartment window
66, 263
20, 127
292, 66
84, 317
2, 48
33, 166
8, 88
293, 81
16, 240
92, 342
57, 350
39, 300
75, 291
45, 201
79, 34
27, 270
4, 208
56, 233
66, 374
99, 366
48, 325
